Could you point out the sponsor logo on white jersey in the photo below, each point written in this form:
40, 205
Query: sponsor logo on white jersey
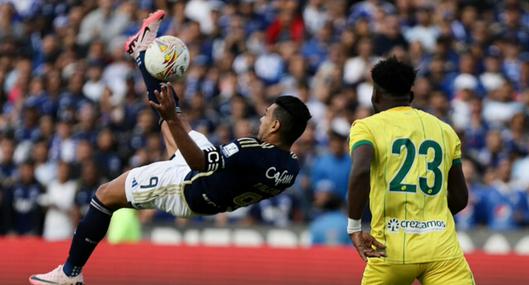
415, 227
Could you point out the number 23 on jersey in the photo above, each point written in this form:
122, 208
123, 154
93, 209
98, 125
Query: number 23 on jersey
405, 146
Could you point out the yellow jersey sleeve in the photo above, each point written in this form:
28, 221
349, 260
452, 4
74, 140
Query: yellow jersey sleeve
359, 135
456, 142
457, 152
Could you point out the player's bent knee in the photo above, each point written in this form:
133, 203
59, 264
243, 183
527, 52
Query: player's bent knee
103, 194
109, 196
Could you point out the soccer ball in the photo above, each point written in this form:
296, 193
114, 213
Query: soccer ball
167, 58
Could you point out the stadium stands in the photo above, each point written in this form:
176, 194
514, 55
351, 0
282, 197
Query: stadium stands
70, 94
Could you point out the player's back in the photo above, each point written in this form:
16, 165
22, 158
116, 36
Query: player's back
243, 172
413, 153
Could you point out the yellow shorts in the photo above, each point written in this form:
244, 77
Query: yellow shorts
452, 271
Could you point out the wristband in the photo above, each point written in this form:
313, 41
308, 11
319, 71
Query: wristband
354, 226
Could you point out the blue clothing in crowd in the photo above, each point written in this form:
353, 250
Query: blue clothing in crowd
335, 169
330, 228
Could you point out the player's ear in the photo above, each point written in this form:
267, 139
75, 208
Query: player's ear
275, 126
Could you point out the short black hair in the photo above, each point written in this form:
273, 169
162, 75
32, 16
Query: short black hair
293, 116
393, 76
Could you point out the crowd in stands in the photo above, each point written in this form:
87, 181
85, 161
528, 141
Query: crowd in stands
73, 112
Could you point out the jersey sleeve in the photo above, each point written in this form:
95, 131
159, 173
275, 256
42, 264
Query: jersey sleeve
455, 142
360, 135
456, 159
228, 155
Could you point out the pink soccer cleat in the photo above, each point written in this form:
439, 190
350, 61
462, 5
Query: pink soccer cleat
56, 277
146, 35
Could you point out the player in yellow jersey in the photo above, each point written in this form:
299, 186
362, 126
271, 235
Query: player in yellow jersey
407, 162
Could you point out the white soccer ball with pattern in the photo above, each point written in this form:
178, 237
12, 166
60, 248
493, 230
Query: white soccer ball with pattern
167, 58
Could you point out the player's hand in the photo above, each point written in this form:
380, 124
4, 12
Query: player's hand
167, 105
367, 246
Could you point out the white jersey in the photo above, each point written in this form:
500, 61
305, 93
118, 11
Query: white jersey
160, 184
58, 224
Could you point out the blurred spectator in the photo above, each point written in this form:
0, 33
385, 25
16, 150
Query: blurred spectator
7, 165
475, 213
25, 213
288, 25
500, 106
492, 78
200, 11
511, 25
476, 131
62, 145
508, 207
45, 169
461, 109
86, 127
389, 37
145, 125
424, 32
439, 106
465, 79
94, 86
315, 15
106, 158
315, 50
516, 136
357, 69
29, 128
334, 165
105, 22
59, 201
87, 185
494, 152
330, 225
269, 66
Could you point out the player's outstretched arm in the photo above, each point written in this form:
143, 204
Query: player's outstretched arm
457, 189
170, 144
179, 129
359, 186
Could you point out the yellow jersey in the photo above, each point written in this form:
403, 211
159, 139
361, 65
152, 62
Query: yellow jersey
413, 153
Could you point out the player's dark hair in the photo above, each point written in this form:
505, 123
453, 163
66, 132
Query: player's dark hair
293, 116
393, 76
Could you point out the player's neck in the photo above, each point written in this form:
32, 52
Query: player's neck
391, 105
277, 143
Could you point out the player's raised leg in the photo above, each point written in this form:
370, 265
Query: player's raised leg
138, 44
135, 47
90, 231
145, 35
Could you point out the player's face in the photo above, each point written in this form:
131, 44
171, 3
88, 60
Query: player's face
267, 120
